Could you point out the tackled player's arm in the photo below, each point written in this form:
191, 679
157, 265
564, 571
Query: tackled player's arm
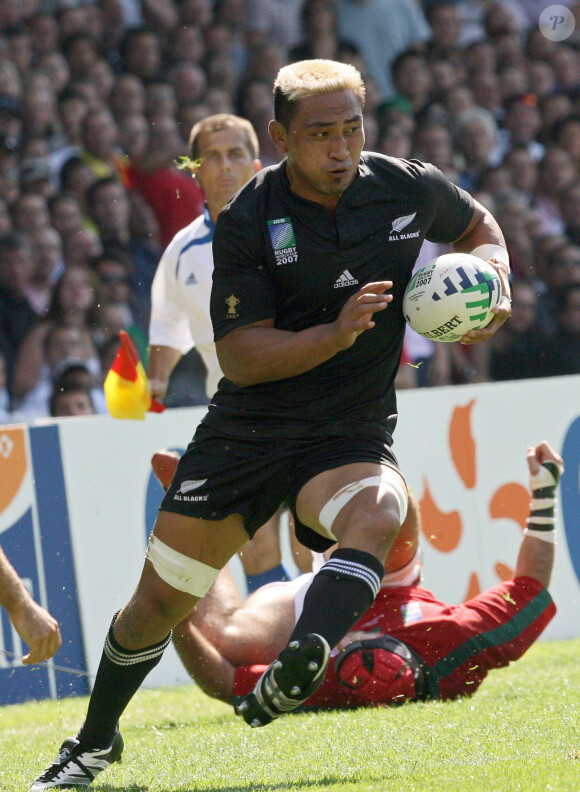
483, 230
260, 352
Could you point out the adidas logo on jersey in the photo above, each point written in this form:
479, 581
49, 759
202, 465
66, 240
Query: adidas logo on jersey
345, 279
191, 280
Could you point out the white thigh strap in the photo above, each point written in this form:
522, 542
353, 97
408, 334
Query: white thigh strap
389, 478
178, 570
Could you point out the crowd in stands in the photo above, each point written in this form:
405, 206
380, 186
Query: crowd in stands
97, 99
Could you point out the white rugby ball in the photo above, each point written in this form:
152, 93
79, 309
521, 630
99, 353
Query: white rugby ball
451, 295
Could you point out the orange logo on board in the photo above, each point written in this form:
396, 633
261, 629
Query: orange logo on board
13, 463
443, 530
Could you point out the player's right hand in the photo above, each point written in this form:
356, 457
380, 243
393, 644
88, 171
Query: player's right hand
39, 629
356, 315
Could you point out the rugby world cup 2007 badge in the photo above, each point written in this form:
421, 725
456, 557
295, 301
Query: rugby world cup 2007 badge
283, 240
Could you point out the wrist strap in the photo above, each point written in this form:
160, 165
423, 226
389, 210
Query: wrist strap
540, 523
491, 251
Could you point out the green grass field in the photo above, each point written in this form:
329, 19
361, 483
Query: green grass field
519, 732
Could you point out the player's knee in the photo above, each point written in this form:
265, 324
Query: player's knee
357, 513
374, 532
155, 603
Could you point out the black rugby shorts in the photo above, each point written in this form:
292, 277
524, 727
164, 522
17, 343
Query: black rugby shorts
221, 475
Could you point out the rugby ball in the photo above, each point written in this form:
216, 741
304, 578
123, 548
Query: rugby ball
451, 295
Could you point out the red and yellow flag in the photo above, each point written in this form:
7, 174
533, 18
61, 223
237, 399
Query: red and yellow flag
126, 385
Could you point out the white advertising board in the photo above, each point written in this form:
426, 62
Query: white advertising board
461, 449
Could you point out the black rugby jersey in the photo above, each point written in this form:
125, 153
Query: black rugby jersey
280, 256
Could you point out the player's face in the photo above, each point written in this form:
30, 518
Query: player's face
225, 166
323, 146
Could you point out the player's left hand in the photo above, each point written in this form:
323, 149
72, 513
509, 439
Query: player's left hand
502, 311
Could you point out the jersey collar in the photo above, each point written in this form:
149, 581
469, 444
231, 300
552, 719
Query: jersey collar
207, 219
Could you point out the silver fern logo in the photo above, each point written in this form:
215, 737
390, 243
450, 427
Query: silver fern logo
187, 486
402, 222
399, 224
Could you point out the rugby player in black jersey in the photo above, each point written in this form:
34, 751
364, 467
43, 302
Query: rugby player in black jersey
312, 258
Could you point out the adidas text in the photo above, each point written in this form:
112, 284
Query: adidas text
345, 279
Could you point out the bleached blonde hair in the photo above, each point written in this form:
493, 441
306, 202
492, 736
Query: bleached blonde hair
308, 78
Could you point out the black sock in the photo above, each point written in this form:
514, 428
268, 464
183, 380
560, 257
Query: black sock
121, 672
340, 593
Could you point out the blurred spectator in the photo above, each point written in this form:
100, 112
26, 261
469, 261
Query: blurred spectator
141, 53
159, 99
477, 138
522, 124
381, 30
81, 52
36, 176
100, 147
30, 211
39, 110
444, 19
74, 299
434, 143
275, 21
44, 33
319, 32
562, 270
570, 210
110, 210
519, 351
65, 214
187, 42
109, 321
173, 195
395, 141
563, 349
16, 313
113, 270
55, 66
71, 401
63, 346
556, 172
19, 47
75, 373
49, 266
523, 172
72, 108
566, 134
81, 246
5, 218
411, 77
519, 224
76, 176
189, 82
486, 91
127, 97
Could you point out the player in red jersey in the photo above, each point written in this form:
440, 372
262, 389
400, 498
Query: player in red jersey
409, 645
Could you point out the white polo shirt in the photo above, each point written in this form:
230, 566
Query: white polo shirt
180, 297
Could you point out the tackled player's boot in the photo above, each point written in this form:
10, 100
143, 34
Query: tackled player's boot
288, 682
